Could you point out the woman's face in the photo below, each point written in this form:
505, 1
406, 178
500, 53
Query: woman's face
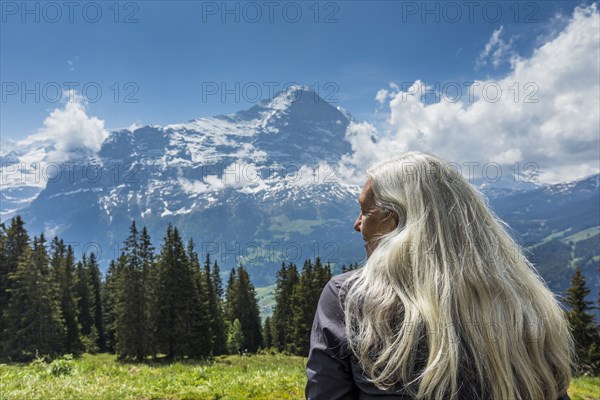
373, 222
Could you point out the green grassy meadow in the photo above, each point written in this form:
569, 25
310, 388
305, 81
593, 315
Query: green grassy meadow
100, 376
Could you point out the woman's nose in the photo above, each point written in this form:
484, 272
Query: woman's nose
357, 224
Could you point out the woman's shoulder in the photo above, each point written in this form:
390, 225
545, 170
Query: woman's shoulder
338, 280
336, 285
331, 300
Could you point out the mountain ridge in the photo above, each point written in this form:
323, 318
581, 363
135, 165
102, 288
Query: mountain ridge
260, 186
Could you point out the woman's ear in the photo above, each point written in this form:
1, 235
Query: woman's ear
400, 218
396, 218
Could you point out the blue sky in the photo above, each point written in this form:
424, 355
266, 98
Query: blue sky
154, 60
175, 47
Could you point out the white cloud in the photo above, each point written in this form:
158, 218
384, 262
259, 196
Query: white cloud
134, 127
6, 146
365, 150
210, 183
72, 130
238, 175
381, 96
547, 114
52, 230
72, 62
496, 49
195, 186
509, 156
215, 183
553, 28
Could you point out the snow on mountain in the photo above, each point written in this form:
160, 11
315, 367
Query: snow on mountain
259, 186
24, 172
257, 176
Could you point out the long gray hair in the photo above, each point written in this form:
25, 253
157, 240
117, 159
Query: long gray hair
448, 296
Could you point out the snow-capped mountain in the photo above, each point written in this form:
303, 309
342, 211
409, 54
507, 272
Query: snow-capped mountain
23, 169
260, 187
552, 211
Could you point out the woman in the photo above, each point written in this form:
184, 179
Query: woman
446, 305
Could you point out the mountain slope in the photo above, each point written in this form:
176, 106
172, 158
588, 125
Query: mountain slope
260, 187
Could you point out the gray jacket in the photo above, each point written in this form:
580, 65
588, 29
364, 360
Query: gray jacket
332, 370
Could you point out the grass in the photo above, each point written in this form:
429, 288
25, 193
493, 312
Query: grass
102, 377
229, 377
575, 237
581, 235
283, 224
585, 388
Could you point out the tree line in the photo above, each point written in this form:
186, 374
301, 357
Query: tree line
147, 304
172, 305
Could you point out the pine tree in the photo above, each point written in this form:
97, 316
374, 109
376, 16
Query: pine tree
132, 322
82, 294
349, 268
216, 310
267, 334
255, 328
220, 344
57, 270
304, 303
202, 341
282, 324
68, 303
216, 277
3, 281
149, 288
57, 260
235, 337
243, 306
176, 294
302, 311
95, 284
33, 322
585, 331
14, 242
231, 297
322, 275
110, 298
